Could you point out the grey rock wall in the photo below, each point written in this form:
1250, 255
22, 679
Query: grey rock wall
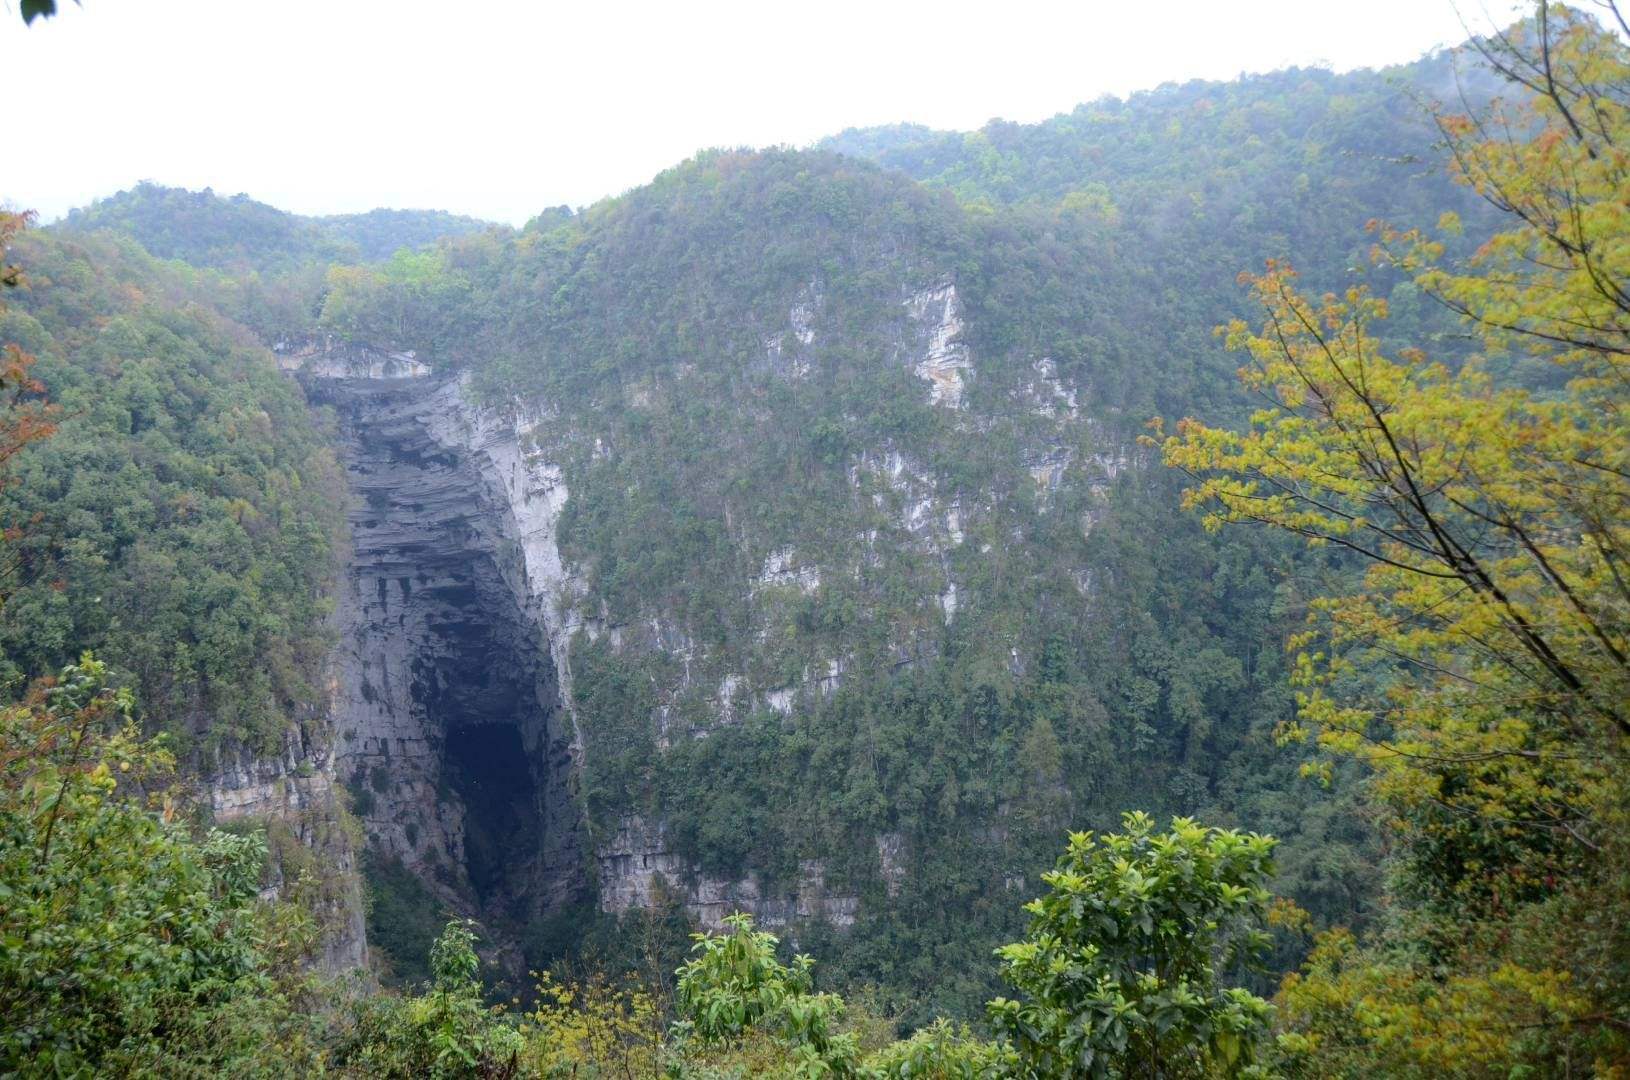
297, 788
450, 732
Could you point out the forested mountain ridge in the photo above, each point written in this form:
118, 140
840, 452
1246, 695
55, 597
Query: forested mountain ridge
1287, 123
238, 233
842, 450
1217, 177
864, 579
181, 442
778, 537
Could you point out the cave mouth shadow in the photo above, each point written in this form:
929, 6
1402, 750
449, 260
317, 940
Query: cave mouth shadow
475, 681
487, 765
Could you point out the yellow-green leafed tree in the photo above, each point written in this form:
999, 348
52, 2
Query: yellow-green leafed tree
594, 1028
1494, 525
1481, 663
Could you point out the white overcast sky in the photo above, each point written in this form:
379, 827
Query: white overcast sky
499, 109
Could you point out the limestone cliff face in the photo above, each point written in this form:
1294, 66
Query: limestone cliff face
459, 736
452, 737
454, 714
638, 867
328, 357
513, 495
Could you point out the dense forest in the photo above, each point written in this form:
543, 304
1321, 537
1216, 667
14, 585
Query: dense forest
1202, 512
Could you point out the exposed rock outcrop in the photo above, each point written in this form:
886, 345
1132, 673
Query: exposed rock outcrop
297, 791
327, 357
943, 356
638, 868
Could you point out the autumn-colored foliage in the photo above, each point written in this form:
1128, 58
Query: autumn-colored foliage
1481, 665
25, 416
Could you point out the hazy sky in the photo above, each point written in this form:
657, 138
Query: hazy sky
335, 106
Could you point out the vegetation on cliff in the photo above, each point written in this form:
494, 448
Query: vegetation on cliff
767, 495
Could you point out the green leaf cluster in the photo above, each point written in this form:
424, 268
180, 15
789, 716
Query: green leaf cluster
1121, 966
130, 942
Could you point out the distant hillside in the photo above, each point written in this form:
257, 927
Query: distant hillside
1188, 137
1215, 174
238, 233
206, 229
378, 234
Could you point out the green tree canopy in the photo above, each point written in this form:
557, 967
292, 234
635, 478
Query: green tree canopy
1122, 972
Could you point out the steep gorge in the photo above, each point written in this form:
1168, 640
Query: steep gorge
449, 725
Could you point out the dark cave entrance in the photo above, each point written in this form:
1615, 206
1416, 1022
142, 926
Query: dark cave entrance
488, 767
477, 680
